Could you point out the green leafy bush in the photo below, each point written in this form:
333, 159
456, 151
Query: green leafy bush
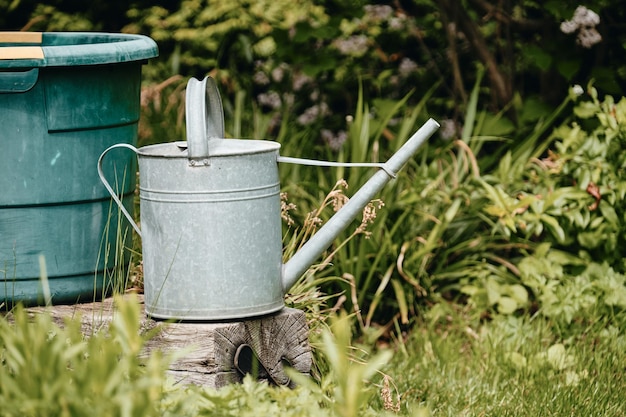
568, 205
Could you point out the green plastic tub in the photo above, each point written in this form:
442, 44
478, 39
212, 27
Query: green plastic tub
65, 98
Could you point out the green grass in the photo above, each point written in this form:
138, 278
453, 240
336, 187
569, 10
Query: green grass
450, 364
510, 367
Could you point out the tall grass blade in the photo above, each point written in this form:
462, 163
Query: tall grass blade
45, 285
472, 106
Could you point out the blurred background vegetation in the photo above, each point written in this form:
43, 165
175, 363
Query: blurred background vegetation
517, 206
313, 55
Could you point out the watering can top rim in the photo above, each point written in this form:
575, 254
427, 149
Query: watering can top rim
219, 148
204, 116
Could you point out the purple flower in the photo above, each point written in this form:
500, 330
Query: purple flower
300, 80
279, 72
334, 141
313, 113
270, 99
260, 78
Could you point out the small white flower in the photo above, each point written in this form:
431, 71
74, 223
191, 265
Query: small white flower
448, 129
569, 26
586, 17
378, 12
396, 23
584, 21
577, 90
587, 37
407, 67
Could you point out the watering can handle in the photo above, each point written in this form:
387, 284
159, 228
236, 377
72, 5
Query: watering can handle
110, 190
204, 116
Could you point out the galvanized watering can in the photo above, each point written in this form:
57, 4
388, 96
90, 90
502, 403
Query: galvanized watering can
210, 217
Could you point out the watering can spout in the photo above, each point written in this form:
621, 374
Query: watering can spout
318, 243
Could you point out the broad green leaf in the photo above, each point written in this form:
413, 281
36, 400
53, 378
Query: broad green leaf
505, 163
568, 67
586, 110
494, 293
615, 295
589, 240
538, 57
533, 109
470, 289
609, 214
558, 358
507, 305
496, 125
517, 359
518, 293
495, 211
554, 227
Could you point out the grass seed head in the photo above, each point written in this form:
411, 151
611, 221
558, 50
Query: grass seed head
388, 401
285, 208
369, 215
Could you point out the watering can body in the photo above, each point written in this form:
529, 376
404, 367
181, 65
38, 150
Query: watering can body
210, 220
211, 234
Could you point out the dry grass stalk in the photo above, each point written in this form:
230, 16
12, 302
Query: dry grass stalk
369, 215
388, 401
285, 208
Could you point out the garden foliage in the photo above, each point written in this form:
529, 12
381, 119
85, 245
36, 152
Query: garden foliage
54, 371
558, 211
517, 207
310, 56
47, 369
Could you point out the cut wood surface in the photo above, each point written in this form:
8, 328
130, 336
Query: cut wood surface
211, 353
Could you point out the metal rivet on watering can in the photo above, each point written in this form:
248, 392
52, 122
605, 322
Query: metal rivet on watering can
211, 233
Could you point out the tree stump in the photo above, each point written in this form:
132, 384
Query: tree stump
209, 353
217, 354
